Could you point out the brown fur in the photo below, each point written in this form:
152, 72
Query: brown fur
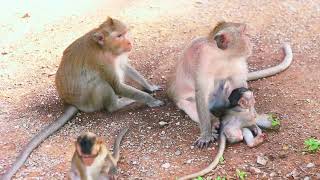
90, 78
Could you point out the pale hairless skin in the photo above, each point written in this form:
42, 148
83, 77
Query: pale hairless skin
207, 60
91, 78
239, 121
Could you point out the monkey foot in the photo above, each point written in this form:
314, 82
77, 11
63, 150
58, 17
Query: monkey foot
204, 142
152, 89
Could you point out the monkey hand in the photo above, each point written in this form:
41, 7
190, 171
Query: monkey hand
155, 103
152, 89
204, 141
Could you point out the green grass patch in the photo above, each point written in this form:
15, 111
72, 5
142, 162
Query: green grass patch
241, 174
312, 145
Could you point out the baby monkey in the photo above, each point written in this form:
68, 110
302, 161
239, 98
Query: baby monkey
239, 121
92, 160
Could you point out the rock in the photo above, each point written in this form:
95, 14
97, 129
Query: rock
255, 170
262, 160
295, 174
310, 165
273, 174
165, 165
162, 123
189, 161
307, 178
318, 176
177, 153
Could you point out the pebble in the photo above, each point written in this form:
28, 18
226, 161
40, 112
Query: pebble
189, 161
165, 165
307, 178
262, 160
273, 174
318, 176
295, 174
255, 170
310, 165
163, 123
177, 153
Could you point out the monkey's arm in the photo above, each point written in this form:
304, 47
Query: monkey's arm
263, 121
201, 96
133, 93
250, 140
136, 76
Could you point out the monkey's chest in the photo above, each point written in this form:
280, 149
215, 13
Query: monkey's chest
120, 65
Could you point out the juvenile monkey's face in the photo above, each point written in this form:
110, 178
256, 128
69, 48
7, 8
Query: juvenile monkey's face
88, 147
247, 100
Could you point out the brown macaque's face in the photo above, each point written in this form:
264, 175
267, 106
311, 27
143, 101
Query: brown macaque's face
122, 41
88, 147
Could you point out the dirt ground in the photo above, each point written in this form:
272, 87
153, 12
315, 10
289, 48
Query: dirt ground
31, 48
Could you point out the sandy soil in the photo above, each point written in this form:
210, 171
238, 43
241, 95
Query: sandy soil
31, 48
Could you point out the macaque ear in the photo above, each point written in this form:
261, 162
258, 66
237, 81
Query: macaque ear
222, 40
99, 38
109, 20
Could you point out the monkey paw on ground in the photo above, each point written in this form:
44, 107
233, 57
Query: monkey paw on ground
204, 142
155, 103
152, 89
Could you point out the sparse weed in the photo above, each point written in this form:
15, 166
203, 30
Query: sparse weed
241, 174
312, 145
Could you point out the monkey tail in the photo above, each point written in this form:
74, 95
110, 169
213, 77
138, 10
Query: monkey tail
35, 141
116, 146
215, 162
276, 69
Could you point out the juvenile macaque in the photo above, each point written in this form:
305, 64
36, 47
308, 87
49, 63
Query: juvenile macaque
208, 60
91, 78
238, 122
93, 160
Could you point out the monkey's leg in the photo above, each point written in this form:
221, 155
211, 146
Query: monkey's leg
109, 100
136, 76
189, 107
250, 140
233, 135
133, 93
263, 121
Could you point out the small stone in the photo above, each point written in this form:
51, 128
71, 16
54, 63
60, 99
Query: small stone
262, 160
177, 153
165, 165
162, 123
295, 174
178, 123
318, 176
307, 178
255, 170
134, 162
189, 161
273, 174
310, 165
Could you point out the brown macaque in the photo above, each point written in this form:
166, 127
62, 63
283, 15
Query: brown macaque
91, 78
208, 60
93, 160
239, 122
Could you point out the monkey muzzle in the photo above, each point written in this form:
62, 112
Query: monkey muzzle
88, 159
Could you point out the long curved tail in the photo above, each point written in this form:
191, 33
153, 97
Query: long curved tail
215, 162
276, 69
116, 146
35, 141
